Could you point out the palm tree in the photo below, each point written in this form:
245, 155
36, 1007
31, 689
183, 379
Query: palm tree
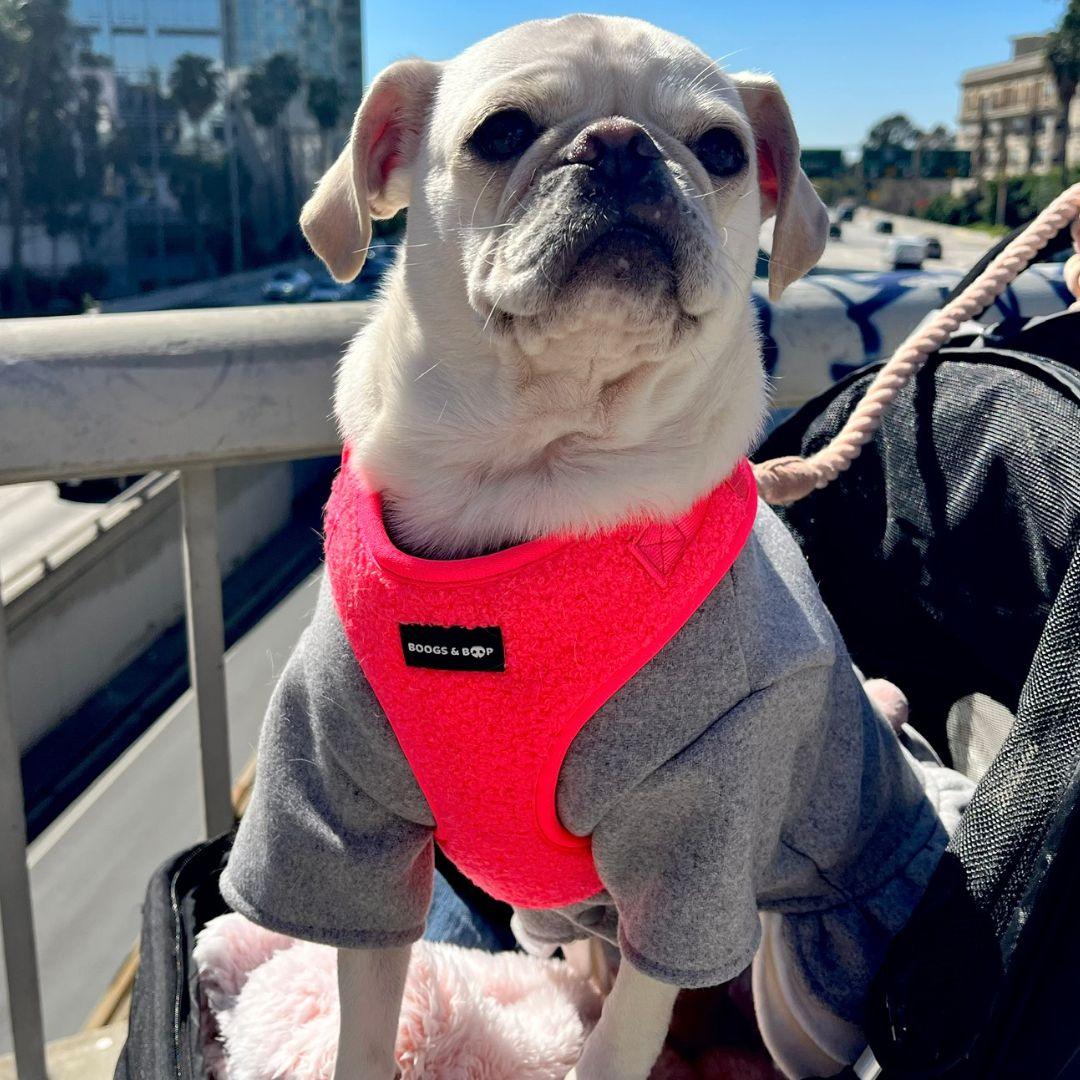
1063, 56
159, 132
92, 153
35, 70
268, 88
193, 85
324, 102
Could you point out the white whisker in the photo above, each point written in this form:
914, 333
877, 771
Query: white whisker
476, 205
426, 370
483, 228
713, 65
491, 314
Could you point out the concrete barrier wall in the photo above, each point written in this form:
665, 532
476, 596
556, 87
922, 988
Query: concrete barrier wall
71, 633
102, 395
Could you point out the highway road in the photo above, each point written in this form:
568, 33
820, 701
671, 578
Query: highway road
90, 868
861, 248
35, 522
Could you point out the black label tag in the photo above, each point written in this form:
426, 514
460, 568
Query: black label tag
453, 648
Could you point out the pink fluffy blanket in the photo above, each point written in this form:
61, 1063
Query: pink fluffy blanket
270, 1012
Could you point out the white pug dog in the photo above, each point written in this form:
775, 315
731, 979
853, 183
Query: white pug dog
567, 339
585, 197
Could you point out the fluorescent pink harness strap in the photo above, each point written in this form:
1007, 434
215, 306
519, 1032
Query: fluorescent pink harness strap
488, 668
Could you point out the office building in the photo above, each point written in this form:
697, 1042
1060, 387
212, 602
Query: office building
1009, 114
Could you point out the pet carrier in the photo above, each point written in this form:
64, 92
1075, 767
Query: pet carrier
947, 553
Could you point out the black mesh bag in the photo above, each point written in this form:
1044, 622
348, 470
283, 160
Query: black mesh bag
948, 556
164, 1041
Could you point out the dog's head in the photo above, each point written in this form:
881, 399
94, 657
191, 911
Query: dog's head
584, 175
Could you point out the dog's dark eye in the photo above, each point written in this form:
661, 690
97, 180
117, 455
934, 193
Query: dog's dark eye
721, 151
504, 135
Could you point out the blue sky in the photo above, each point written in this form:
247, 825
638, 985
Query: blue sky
842, 64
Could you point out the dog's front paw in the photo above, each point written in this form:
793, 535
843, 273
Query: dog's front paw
361, 1070
889, 700
542, 950
580, 1072
593, 1069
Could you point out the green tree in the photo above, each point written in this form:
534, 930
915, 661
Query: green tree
93, 154
50, 164
267, 90
324, 101
193, 86
163, 122
36, 41
138, 155
1063, 56
939, 137
896, 130
202, 182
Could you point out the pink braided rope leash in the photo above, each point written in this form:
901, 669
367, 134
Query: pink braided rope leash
788, 479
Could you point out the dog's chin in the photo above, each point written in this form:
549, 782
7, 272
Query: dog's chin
631, 259
607, 320
619, 301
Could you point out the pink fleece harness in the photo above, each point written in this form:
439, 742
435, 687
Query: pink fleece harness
487, 668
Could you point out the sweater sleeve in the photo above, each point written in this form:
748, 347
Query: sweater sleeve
682, 853
336, 845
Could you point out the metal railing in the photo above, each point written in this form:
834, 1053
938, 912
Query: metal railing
194, 390
125, 394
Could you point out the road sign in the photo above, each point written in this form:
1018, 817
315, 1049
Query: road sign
944, 164
888, 161
821, 164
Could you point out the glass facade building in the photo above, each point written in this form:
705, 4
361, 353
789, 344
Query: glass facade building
137, 42
324, 35
140, 36
143, 36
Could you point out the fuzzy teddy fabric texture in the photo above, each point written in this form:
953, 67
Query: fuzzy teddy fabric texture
487, 668
271, 1010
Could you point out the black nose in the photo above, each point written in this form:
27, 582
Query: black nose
621, 154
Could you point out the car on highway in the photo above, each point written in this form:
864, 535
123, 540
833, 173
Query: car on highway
325, 290
95, 490
906, 253
378, 261
932, 247
287, 285
884, 226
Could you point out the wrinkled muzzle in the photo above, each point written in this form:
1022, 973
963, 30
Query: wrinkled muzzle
609, 214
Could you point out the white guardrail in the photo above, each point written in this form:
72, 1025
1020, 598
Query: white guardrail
122, 394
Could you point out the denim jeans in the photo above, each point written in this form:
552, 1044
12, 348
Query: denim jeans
462, 915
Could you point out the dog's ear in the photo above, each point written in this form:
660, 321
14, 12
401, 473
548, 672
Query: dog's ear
802, 222
373, 174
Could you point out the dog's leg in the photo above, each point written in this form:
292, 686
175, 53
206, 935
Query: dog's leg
370, 986
626, 1042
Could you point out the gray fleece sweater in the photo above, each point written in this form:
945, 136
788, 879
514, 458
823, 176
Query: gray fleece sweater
742, 769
